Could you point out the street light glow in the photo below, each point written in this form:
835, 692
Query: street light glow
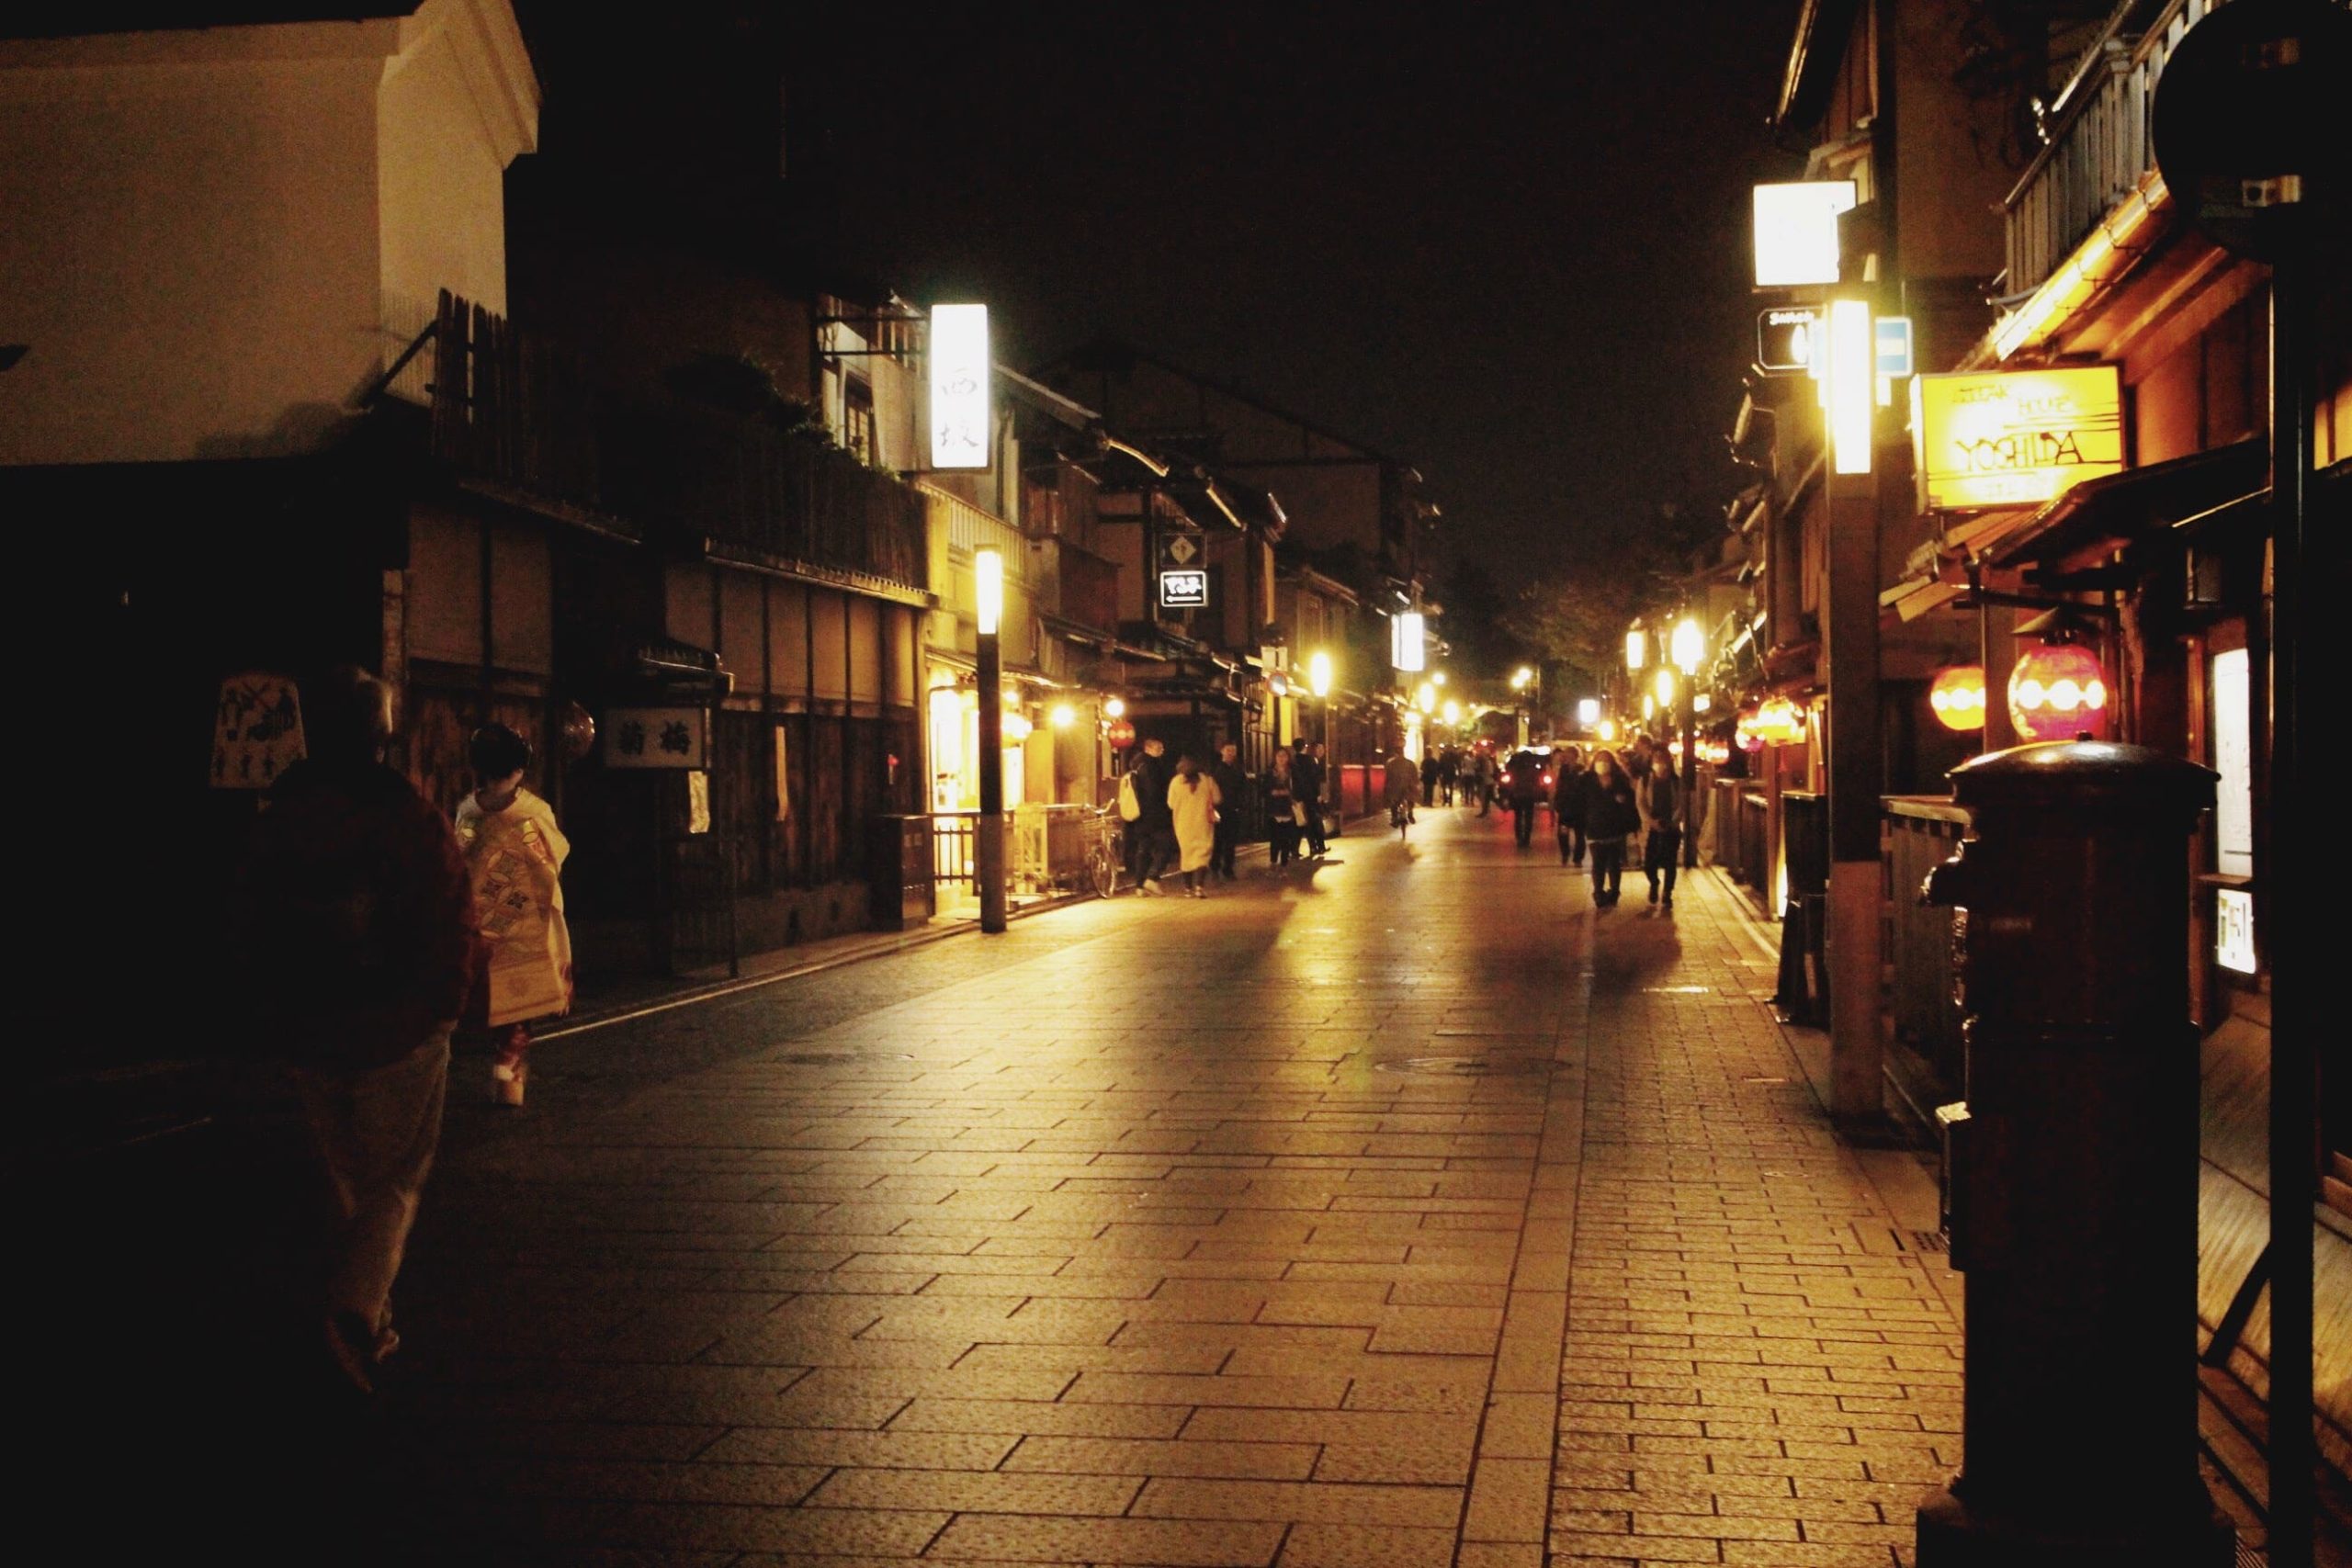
987, 590
1690, 645
1796, 232
1850, 385
1587, 712
1319, 673
1452, 712
1664, 686
1114, 707
1425, 697
1064, 716
1637, 649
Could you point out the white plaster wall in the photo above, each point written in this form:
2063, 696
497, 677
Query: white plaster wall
441, 182
213, 241
190, 253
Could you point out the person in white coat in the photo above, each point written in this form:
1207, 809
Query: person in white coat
1192, 802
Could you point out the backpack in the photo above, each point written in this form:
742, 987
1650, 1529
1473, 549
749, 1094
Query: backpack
1130, 803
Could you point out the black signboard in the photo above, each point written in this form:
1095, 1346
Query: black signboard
1184, 588
1784, 338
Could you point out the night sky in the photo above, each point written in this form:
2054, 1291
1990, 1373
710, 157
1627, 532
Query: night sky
1506, 243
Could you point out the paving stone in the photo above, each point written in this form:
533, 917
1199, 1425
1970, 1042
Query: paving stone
1108, 1245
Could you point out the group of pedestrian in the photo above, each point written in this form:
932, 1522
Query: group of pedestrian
1293, 792
1184, 818
383, 926
1599, 807
1460, 774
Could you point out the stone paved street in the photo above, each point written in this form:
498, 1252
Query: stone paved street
1409, 1211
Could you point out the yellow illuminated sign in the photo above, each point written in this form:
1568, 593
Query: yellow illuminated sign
2014, 437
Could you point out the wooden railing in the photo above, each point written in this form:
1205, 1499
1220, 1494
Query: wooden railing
512, 411
2099, 149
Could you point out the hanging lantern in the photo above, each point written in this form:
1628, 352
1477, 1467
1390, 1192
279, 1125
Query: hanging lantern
1743, 733
2057, 692
1780, 722
1958, 697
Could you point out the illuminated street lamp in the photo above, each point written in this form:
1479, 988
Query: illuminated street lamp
1452, 713
1638, 652
1114, 707
988, 850
1587, 712
1664, 685
1425, 696
1319, 673
1690, 645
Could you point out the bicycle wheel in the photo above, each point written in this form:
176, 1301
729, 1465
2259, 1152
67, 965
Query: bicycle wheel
1102, 873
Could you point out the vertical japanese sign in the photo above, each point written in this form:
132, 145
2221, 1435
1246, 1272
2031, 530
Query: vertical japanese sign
960, 387
256, 730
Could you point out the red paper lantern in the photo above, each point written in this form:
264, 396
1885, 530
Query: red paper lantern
1958, 697
2057, 692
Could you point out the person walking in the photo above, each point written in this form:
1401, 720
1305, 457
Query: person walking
1284, 817
1193, 799
1568, 803
1310, 775
1525, 781
515, 854
1611, 814
1150, 837
1230, 783
1449, 774
1659, 795
1428, 778
353, 903
1483, 781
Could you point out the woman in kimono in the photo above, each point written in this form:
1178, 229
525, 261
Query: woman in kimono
515, 854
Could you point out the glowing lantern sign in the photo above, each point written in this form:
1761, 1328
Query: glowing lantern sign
2058, 692
1958, 697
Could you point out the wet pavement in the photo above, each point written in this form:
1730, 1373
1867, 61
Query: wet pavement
1399, 1209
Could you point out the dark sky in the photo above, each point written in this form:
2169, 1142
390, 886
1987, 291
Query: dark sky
1506, 242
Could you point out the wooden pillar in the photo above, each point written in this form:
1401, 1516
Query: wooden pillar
1850, 634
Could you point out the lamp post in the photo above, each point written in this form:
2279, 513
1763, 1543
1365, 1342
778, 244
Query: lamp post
988, 847
1689, 651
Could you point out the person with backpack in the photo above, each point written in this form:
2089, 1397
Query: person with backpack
1151, 833
354, 907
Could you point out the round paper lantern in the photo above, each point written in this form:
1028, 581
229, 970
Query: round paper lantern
1958, 697
1780, 722
2057, 692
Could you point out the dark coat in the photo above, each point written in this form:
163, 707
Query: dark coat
1610, 809
356, 918
1229, 787
1307, 778
1153, 775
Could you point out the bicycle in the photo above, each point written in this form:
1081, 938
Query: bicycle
1401, 813
1105, 859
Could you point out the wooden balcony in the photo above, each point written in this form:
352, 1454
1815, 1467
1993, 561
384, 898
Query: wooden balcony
2098, 151
517, 416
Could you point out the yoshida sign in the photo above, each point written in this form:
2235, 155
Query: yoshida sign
2014, 437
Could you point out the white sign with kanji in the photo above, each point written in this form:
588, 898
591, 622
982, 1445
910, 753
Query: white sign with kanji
657, 738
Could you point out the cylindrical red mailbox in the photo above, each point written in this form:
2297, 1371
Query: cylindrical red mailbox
2074, 1165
